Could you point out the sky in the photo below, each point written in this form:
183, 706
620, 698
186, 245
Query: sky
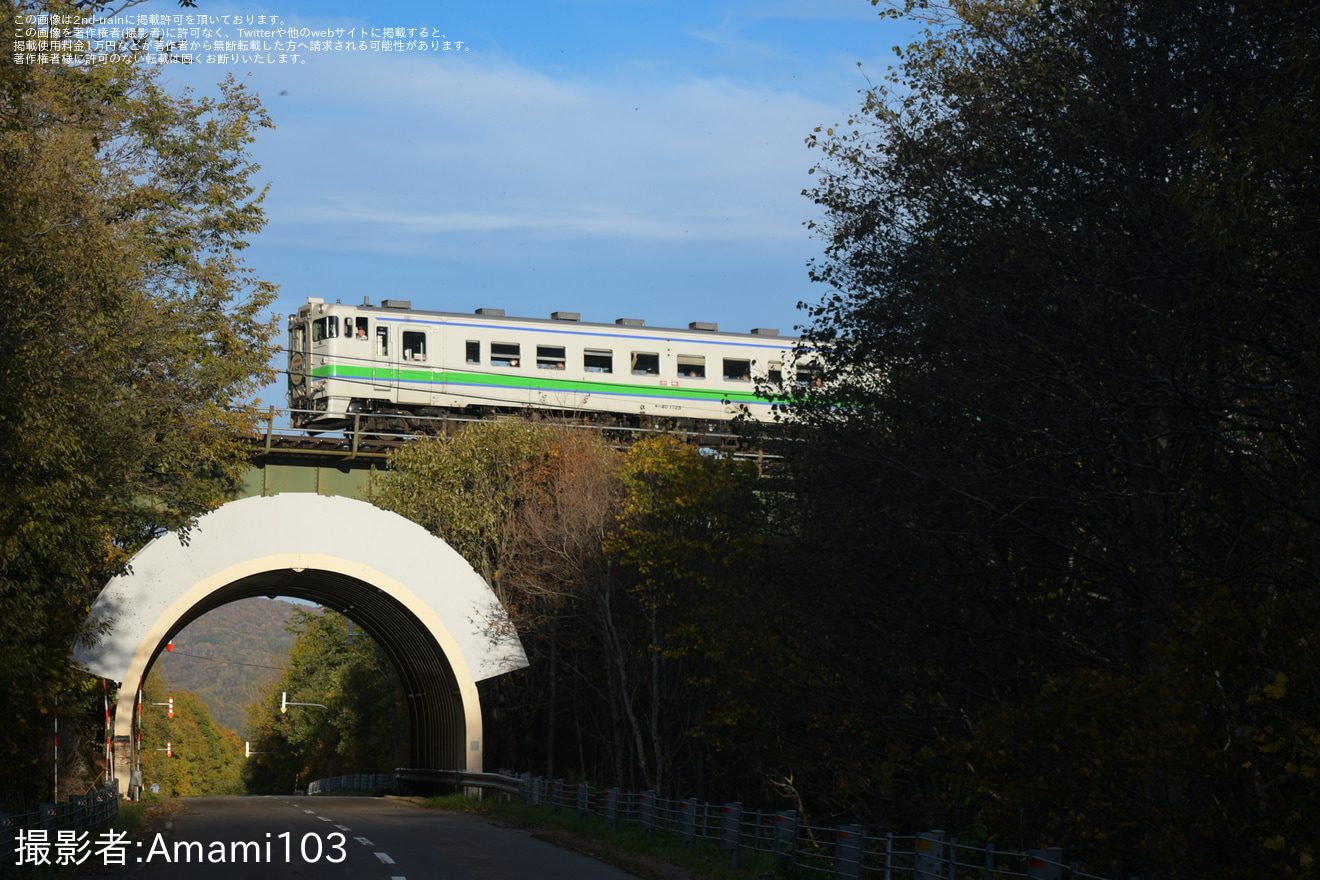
607, 157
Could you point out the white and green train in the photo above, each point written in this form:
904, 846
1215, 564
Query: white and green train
390, 363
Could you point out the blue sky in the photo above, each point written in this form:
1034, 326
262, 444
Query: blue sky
613, 158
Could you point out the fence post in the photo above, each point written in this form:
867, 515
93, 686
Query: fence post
687, 822
583, 800
989, 861
646, 812
929, 861
557, 795
889, 853
849, 851
612, 808
1045, 864
78, 811
786, 830
731, 832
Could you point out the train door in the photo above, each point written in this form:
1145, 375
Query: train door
419, 351
385, 358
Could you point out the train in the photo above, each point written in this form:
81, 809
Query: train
395, 367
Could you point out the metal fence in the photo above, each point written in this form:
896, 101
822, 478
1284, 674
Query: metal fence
849, 852
80, 812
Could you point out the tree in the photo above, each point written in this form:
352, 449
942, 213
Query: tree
527, 505
685, 553
1069, 411
363, 727
203, 758
132, 337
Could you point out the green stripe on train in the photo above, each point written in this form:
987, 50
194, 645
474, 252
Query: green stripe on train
528, 383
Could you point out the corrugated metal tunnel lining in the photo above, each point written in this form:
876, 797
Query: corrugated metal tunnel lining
435, 713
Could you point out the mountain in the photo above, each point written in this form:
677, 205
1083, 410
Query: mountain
229, 656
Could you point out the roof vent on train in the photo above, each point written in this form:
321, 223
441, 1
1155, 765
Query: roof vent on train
566, 316
703, 325
764, 331
630, 322
396, 303
494, 313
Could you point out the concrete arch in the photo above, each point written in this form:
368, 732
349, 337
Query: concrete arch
435, 618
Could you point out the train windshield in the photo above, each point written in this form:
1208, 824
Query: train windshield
325, 328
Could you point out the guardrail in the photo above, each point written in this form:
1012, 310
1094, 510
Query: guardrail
80, 812
398, 781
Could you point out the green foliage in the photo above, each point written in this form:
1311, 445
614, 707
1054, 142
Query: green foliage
205, 758
131, 331
686, 550
363, 727
466, 488
1068, 501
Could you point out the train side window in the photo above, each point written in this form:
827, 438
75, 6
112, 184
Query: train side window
361, 331
382, 342
776, 374
645, 363
414, 345
809, 377
737, 370
691, 366
549, 357
318, 330
473, 351
598, 361
504, 354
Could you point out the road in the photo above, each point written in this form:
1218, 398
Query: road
291, 838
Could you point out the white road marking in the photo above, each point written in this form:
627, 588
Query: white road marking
343, 828
398, 878
384, 859
309, 811
323, 818
364, 841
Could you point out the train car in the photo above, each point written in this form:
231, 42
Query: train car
391, 363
